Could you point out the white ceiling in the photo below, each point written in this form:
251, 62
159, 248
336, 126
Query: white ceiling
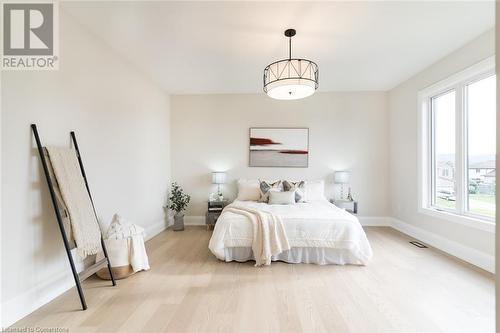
223, 47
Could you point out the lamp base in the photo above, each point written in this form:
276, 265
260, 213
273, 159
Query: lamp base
219, 192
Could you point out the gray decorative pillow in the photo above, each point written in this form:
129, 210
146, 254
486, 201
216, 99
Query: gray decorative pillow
266, 187
298, 187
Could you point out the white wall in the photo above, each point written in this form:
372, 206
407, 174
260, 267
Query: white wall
403, 153
122, 124
497, 238
346, 131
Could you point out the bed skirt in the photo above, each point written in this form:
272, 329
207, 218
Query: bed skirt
297, 255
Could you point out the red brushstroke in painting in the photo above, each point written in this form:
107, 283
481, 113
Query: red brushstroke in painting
262, 142
298, 152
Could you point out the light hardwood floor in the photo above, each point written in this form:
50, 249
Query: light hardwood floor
403, 289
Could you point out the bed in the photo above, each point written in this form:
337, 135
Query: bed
318, 233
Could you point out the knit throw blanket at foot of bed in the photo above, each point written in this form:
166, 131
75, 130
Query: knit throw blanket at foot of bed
69, 177
269, 236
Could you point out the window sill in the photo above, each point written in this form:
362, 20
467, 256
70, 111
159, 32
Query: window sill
468, 221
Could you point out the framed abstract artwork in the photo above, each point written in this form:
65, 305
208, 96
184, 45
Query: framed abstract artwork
279, 147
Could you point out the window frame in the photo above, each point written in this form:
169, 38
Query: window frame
426, 173
432, 161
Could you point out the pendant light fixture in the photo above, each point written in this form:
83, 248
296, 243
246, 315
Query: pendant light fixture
291, 78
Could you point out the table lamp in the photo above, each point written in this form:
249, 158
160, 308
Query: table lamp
219, 178
342, 178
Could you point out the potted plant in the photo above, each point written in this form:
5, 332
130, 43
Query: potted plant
178, 202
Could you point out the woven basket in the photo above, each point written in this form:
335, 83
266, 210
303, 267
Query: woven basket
120, 272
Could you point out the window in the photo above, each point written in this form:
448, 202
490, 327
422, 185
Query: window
457, 146
443, 150
480, 109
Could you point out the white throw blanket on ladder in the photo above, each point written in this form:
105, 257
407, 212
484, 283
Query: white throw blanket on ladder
269, 237
69, 176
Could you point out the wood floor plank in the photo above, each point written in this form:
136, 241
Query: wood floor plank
403, 289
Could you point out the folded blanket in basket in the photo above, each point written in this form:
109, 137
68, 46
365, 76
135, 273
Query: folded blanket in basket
129, 252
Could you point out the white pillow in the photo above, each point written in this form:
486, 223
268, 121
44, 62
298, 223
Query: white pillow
248, 190
315, 190
281, 198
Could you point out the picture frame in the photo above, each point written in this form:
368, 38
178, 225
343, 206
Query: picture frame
279, 147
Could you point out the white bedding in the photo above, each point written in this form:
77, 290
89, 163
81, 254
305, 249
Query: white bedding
309, 226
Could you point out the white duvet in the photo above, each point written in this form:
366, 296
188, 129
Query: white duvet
317, 224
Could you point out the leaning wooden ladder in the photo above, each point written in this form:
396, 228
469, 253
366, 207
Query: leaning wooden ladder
99, 264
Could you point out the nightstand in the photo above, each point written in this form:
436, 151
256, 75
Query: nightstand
213, 212
349, 206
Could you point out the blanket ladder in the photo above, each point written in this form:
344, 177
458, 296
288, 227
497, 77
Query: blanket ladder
78, 277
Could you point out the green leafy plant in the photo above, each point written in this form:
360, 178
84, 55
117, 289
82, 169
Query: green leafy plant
178, 200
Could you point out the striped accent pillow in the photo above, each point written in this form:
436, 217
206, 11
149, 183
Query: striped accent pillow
298, 187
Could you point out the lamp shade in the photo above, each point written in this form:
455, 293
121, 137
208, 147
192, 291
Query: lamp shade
291, 79
218, 177
342, 177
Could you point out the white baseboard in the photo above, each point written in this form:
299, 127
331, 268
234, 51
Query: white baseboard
22, 305
194, 220
155, 229
473, 256
34, 298
374, 221
30, 300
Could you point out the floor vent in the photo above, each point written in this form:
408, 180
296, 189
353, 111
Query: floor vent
418, 244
